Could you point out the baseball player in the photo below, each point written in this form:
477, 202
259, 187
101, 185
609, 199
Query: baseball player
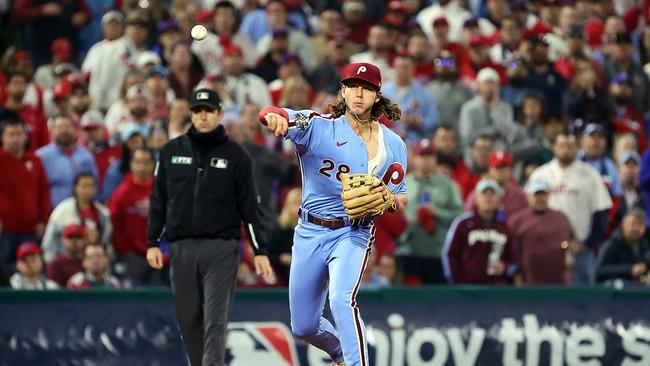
350, 152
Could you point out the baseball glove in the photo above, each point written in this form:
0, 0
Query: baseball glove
359, 201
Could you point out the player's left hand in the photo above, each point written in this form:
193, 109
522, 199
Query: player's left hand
263, 268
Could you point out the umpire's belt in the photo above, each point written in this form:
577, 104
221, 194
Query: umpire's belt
333, 223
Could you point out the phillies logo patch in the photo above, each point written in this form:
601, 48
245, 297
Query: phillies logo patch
260, 343
361, 69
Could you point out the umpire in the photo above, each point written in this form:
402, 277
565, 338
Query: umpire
202, 193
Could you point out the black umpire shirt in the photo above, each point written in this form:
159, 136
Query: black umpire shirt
204, 189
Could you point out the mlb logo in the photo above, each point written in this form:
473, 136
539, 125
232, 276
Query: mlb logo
202, 96
260, 343
219, 163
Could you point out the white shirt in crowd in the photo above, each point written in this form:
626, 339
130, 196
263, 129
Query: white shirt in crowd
456, 15
299, 43
108, 62
578, 191
248, 88
210, 52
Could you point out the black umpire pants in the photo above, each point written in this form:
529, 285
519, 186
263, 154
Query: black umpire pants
203, 273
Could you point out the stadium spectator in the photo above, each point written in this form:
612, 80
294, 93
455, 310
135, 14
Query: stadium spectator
326, 77
156, 86
621, 60
267, 66
23, 62
48, 21
594, 153
133, 136
434, 204
281, 236
627, 119
486, 113
626, 255
528, 138
17, 83
289, 67
108, 61
479, 248
81, 209
448, 91
169, 34
61, 51
479, 59
29, 264
61, 73
513, 198
299, 42
244, 86
629, 165
514, 91
330, 26
539, 232
356, 20
623, 143
183, 77
158, 137
506, 50
210, 50
63, 159
578, 191
61, 99
24, 192
100, 146
178, 121
119, 112
79, 99
129, 207
419, 49
388, 269
261, 21
585, 100
578, 51
95, 270
542, 76
442, 43
295, 94
379, 53
371, 279
455, 13
147, 60
419, 114
65, 264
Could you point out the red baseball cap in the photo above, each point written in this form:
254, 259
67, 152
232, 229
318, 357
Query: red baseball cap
477, 40
62, 48
232, 50
424, 147
441, 22
362, 71
62, 90
27, 248
74, 231
499, 159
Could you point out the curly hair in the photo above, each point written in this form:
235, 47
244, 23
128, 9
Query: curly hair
383, 106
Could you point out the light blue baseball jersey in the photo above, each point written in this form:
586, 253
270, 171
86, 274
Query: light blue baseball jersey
329, 146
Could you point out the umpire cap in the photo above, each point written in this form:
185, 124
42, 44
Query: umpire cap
205, 98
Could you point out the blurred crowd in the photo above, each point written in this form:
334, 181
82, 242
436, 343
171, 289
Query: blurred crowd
526, 123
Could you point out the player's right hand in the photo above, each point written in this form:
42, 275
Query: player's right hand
276, 124
155, 257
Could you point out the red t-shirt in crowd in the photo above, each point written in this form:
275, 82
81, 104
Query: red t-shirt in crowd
62, 268
129, 208
24, 193
36, 122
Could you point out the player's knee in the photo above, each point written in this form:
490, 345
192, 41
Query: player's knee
342, 301
304, 330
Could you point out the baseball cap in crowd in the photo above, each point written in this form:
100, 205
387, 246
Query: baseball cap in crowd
476, 40
74, 231
61, 90
137, 17
147, 58
500, 158
65, 69
130, 129
168, 25
577, 31
441, 22
592, 128
353, 5
487, 74
471, 22
92, 119
113, 16
518, 5
158, 70
204, 16
288, 58
537, 186
620, 38
398, 6
621, 78
362, 71
630, 156
62, 49
424, 147
136, 89
485, 184
27, 248
205, 98
233, 50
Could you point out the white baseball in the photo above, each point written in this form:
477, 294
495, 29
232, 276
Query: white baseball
199, 32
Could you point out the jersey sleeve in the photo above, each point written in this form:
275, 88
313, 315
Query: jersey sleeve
395, 177
300, 125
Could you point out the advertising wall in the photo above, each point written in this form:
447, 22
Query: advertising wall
435, 326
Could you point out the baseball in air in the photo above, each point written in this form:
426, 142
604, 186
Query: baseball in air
199, 32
